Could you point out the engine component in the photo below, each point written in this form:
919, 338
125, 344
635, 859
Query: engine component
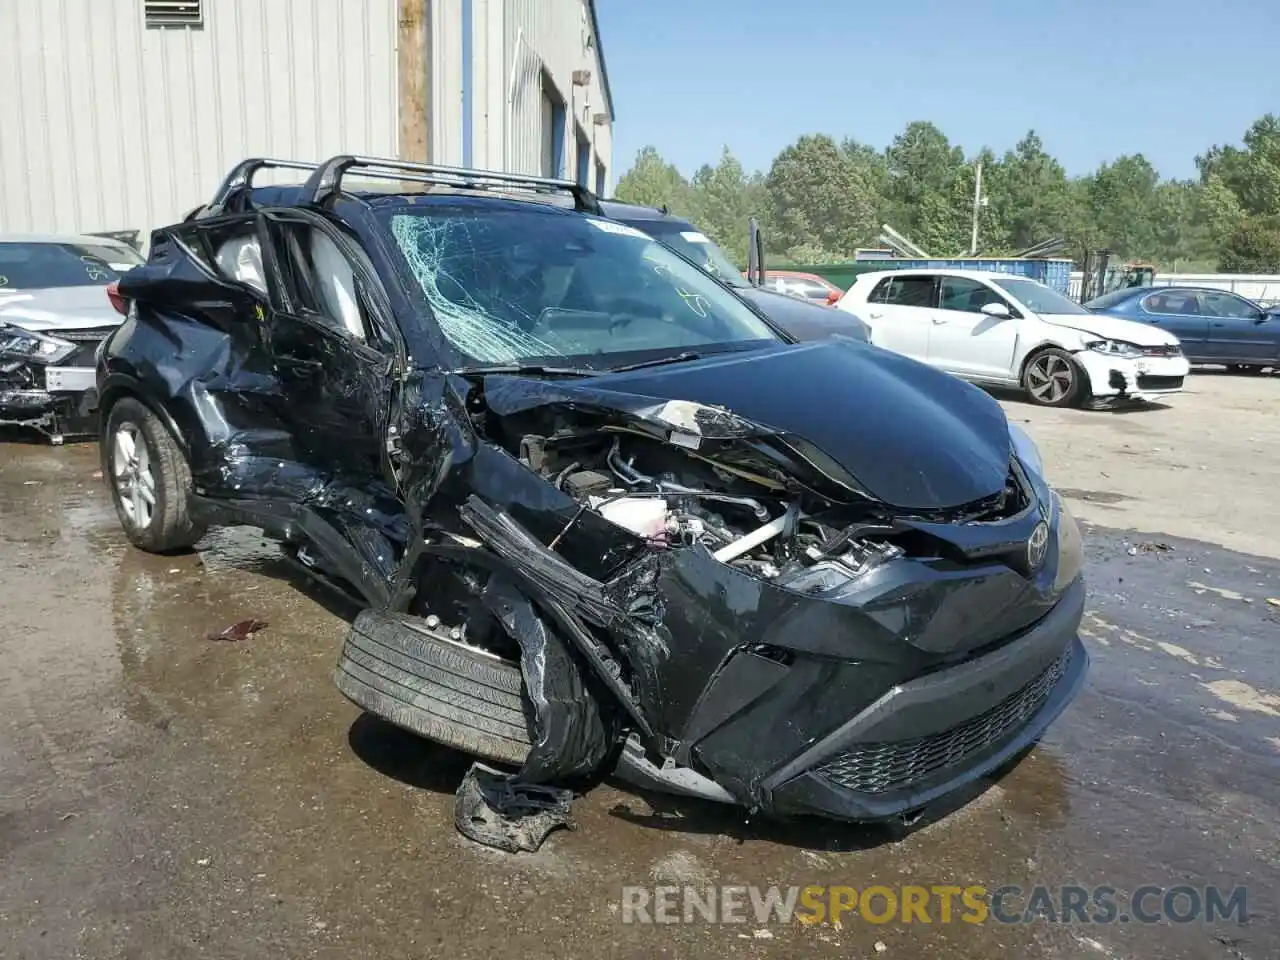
633, 477
753, 539
643, 516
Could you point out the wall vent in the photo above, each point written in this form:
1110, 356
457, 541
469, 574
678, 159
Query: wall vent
173, 13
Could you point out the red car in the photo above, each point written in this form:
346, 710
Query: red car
806, 286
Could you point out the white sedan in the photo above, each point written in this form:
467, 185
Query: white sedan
1004, 330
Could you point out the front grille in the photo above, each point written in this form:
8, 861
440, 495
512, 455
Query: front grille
1148, 382
877, 768
1162, 350
78, 336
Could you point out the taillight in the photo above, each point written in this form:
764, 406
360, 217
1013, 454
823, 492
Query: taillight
117, 301
833, 298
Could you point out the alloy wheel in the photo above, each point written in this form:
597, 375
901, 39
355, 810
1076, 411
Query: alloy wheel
1050, 378
131, 473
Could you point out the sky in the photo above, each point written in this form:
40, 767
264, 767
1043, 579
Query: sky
1096, 79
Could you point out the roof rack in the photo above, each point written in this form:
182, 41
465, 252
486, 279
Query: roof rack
326, 180
241, 177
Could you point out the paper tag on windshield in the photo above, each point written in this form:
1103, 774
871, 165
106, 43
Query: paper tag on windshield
121, 267
693, 236
621, 229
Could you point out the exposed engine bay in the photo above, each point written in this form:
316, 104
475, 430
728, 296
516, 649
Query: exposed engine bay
671, 496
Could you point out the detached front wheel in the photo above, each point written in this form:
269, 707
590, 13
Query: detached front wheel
1052, 379
149, 479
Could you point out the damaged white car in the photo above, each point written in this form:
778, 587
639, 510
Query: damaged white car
1001, 330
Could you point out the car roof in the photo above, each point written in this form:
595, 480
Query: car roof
60, 238
948, 272
617, 210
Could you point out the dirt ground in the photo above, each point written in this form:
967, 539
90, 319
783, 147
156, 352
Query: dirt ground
162, 795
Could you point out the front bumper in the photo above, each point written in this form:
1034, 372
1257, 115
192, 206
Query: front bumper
54, 400
1137, 378
936, 734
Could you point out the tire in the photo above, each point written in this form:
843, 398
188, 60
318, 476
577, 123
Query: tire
397, 668
1054, 373
166, 527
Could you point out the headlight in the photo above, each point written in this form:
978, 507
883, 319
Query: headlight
19, 344
1025, 449
1070, 547
1115, 348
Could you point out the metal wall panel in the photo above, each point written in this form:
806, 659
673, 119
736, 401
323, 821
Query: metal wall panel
546, 41
110, 125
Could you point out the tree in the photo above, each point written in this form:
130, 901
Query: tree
653, 182
1254, 247
724, 199
822, 202
926, 179
1029, 197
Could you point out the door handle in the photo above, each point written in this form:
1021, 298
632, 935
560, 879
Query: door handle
937, 321
875, 316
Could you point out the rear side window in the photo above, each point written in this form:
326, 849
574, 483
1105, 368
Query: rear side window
904, 291
1185, 304
33, 266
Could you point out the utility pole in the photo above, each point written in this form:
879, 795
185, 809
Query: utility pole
413, 62
977, 209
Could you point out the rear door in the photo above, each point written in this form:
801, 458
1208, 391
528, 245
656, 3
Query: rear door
965, 341
1179, 312
900, 311
1239, 331
330, 345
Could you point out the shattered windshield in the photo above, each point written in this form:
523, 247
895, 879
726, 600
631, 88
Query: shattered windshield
518, 284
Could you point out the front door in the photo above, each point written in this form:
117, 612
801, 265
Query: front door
1239, 331
968, 342
334, 369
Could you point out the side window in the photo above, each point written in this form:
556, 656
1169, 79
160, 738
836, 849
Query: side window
1175, 302
910, 292
1229, 305
319, 280
968, 296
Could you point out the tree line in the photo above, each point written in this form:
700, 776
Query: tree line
821, 200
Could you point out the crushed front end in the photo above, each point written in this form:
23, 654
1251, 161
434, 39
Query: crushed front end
47, 380
771, 627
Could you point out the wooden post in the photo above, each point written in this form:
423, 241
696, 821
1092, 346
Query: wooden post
414, 67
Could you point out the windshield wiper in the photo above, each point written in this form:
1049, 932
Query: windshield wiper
530, 369
659, 362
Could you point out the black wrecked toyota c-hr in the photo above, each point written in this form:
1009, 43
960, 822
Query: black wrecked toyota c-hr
599, 511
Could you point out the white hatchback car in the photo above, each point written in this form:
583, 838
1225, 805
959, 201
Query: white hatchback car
1004, 330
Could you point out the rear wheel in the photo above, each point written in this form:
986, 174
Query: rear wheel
149, 479
1052, 379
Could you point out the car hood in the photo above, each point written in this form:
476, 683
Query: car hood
804, 321
1112, 328
52, 309
910, 436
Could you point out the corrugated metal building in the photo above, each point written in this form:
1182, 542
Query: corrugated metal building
125, 114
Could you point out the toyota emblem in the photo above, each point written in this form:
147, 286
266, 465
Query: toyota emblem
1037, 545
